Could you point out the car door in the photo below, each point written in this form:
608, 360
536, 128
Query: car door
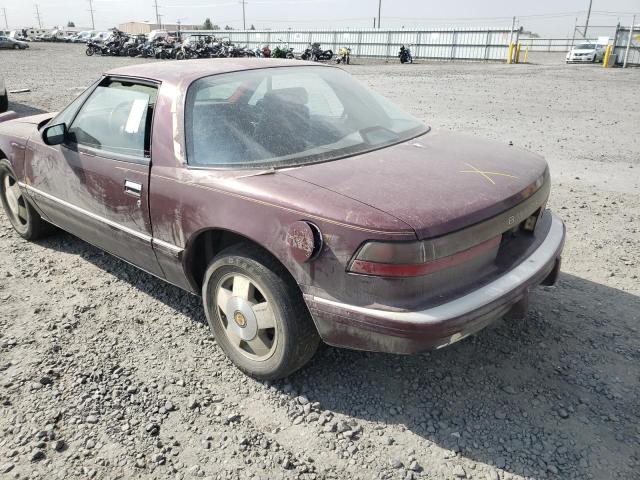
95, 185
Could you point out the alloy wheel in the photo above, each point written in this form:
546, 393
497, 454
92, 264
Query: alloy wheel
15, 200
247, 317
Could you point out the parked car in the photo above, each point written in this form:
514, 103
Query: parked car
100, 37
298, 203
586, 52
7, 42
4, 96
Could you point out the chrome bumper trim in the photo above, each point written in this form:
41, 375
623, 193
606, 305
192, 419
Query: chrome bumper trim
479, 298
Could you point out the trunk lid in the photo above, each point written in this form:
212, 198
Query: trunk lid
436, 183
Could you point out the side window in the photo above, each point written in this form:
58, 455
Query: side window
116, 118
66, 115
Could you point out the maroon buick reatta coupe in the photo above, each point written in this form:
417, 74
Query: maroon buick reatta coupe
301, 206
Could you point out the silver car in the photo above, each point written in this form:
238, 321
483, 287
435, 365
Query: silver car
7, 42
586, 52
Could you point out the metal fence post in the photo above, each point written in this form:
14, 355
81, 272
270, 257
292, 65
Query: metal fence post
388, 43
454, 40
626, 53
486, 48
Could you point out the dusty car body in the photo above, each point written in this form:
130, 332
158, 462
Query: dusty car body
400, 248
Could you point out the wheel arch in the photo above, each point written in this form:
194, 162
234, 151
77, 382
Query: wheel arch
207, 243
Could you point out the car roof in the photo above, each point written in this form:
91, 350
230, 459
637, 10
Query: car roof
190, 70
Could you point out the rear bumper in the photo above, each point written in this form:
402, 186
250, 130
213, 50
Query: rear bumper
408, 332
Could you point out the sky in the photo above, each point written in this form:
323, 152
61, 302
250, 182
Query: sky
549, 18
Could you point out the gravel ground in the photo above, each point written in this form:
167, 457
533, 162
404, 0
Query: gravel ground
106, 372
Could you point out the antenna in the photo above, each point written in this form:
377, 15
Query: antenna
93, 25
38, 17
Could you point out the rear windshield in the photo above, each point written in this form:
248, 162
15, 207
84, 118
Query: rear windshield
288, 116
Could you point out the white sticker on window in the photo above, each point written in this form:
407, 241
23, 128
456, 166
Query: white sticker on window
138, 108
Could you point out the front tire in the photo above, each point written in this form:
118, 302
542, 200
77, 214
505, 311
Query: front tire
4, 102
23, 217
257, 314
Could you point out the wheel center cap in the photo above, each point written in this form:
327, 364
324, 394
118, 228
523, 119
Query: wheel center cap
240, 319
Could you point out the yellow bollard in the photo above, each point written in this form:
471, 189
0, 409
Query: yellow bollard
510, 53
526, 54
518, 52
607, 54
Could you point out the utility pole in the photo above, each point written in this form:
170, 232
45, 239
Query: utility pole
93, 25
244, 22
38, 17
586, 24
6, 22
155, 4
379, 9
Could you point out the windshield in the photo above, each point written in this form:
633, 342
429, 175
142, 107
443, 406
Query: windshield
288, 116
585, 46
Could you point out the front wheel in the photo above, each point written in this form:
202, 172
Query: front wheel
257, 314
23, 217
89, 51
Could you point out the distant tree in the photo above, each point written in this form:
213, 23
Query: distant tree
70, 24
252, 27
216, 27
227, 27
207, 25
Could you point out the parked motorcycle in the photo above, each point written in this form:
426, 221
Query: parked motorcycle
282, 52
316, 54
344, 56
405, 55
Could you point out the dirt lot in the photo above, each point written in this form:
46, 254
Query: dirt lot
106, 372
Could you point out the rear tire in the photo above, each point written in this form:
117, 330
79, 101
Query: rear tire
23, 217
281, 337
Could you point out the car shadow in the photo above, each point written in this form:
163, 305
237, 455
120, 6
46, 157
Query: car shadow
23, 110
550, 396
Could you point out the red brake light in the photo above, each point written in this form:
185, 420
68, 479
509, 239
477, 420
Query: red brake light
388, 259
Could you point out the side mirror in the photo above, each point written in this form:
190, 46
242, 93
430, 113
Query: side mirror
54, 134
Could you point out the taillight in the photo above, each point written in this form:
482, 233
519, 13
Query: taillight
412, 259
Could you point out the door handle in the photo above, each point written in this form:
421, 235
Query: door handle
132, 188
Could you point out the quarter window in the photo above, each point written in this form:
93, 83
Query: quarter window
116, 119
